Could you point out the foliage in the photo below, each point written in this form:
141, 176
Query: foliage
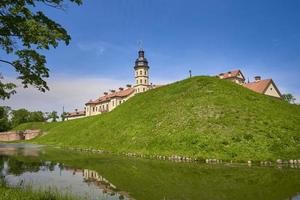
22, 23
201, 117
63, 116
4, 118
289, 98
23, 116
53, 116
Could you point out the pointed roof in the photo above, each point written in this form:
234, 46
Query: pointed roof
261, 86
232, 74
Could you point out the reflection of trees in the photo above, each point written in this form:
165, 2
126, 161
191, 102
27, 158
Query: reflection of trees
17, 167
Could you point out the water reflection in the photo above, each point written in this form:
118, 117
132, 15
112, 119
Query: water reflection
83, 183
105, 176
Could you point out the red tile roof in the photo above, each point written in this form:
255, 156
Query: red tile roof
258, 86
261, 86
231, 74
76, 114
121, 93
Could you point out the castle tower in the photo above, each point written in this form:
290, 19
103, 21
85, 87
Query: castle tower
141, 70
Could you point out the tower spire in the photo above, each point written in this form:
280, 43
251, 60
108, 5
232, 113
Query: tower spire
141, 69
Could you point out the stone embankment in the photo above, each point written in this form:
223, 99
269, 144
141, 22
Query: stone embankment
11, 136
175, 158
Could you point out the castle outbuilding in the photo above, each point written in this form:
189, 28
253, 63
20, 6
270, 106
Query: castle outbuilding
266, 87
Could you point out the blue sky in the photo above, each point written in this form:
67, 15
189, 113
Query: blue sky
259, 37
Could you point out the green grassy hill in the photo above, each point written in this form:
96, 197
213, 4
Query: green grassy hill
201, 117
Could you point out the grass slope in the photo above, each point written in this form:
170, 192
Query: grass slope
201, 117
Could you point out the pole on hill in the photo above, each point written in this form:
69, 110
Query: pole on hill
190, 71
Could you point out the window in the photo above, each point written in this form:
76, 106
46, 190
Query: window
141, 72
113, 103
145, 81
137, 73
137, 81
145, 73
96, 109
143, 89
93, 109
141, 81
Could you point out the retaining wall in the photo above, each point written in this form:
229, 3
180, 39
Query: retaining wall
18, 135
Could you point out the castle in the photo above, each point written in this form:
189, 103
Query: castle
110, 101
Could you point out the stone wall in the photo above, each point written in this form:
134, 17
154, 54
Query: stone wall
30, 134
18, 135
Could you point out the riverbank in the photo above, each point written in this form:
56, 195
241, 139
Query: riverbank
198, 118
28, 194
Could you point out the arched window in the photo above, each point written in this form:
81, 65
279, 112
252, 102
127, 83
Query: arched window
145, 73
141, 72
145, 81
140, 80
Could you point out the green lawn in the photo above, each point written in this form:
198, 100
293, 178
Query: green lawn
201, 117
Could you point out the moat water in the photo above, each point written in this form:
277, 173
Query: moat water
104, 176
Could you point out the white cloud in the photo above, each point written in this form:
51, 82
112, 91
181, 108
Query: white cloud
71, 92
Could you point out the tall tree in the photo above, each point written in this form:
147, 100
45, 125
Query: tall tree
289, 98
20, 116
37, 116
4, 118
63, 116
22, 23
53, 116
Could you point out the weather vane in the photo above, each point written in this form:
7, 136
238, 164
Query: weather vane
140, 44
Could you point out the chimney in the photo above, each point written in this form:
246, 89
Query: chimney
128, 85
121, 88
229, 73
221, 75
112, 91
105, 93
76, 110
257, 78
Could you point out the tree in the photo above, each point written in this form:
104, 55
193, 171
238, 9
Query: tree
20, 116
63, 116
4, 118
289, 98
24, 31
37, 116
53, 116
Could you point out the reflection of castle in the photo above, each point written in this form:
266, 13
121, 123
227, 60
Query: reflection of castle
91, 176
